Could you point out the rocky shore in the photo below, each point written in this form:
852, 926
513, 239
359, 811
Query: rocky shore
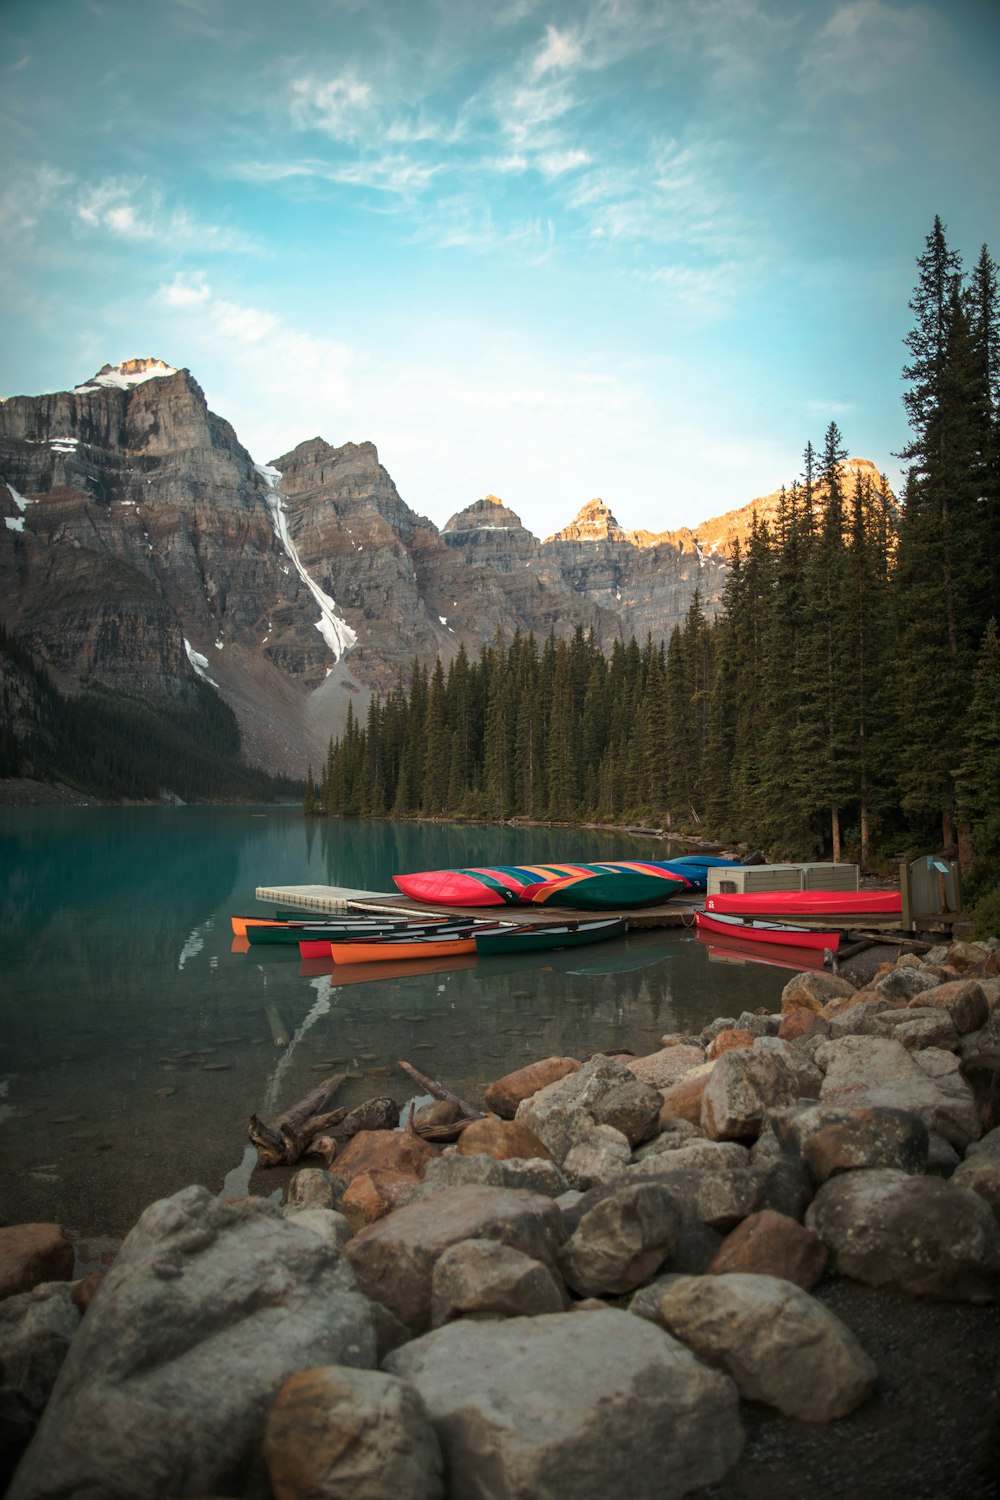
761, 1261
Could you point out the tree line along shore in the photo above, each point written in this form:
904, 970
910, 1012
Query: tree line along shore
844, 703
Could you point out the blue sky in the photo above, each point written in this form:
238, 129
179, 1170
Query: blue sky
545, 250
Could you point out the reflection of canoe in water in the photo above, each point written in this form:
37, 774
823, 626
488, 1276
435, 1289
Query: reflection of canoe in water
726, 950
756, 930
312, 968
612, 883
317, 945
806, 904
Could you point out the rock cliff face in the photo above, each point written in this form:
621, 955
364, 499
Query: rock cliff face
142, 544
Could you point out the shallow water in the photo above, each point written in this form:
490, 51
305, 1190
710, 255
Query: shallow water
135, 1044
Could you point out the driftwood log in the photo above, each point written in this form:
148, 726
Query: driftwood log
284, 1139
438, 1091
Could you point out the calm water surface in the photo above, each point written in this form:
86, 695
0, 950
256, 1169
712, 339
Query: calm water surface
135, 1043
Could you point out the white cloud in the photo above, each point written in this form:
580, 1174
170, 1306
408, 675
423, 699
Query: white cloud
334, 105
865, 47
553, 164
560, 52
186, 291
132, 209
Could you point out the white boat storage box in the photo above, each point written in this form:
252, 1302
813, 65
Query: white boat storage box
743, 879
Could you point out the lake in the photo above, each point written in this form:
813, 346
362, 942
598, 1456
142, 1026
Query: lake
136, 1043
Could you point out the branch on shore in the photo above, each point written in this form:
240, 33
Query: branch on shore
284, 1139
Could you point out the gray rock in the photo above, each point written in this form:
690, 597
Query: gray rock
980, 1170
917, 1027
720, 1198
757, 1025
743, 1086
310, 1187
209, 1307
920, 1235
779, 1344
394, 1258
480, 1278
942, 1158
532, 1174
870, 1071
906, 983
566, 1407
36, 1330
336, 1432
831, 1138
605, 1091
621, 1238
325, 1222
598, 1160
936, 1062
707, 1155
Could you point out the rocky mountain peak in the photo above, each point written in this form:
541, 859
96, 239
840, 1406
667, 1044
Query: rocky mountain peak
594, 523
130, 372
487, 514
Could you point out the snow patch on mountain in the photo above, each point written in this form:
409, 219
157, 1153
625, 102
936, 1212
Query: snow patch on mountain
199, 663
335, 631
129, 373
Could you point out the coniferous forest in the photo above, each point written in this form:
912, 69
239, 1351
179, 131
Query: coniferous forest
845, 703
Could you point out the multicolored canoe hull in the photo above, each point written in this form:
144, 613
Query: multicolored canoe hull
610, 884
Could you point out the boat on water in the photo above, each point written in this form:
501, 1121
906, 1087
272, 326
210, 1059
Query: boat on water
542, 938
611, 883
332, 931
484, 939
806, 904
759, 930
317, 944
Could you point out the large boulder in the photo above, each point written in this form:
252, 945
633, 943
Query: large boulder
395, 1258
573, 1407
533, 1174
501, 1139
830, 1138
772, 1244
384, 1151
963, 999
668, 1066
603, 1090
744, 1085
920, 1235
980, 1170
779, 1344
813, 990
36, 1330
335, 1432
874, 1071
620, 1237
503, 1096
484, 1279
31, 1254
209, 1307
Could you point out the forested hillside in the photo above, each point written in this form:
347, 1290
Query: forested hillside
845, 702
111, 746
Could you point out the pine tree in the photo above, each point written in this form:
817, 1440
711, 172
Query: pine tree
978, 779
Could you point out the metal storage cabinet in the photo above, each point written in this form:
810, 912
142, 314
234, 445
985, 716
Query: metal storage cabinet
742, 879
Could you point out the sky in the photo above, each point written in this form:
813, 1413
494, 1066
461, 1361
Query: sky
545, 249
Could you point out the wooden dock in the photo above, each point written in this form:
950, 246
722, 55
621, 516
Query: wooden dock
675, 913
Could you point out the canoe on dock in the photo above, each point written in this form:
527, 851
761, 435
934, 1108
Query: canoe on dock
806, 904
610, 884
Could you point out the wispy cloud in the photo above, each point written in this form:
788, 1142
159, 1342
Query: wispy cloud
337, 106
134, 210
864, 46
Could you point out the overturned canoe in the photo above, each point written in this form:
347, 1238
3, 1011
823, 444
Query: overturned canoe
612, 883
316, 945
806, 904
755, 929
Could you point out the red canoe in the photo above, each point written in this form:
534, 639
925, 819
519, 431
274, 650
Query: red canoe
807, 904
754, 930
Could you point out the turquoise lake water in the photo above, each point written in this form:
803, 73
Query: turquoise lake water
135, 1043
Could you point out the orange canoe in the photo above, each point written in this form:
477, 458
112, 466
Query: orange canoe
360, 952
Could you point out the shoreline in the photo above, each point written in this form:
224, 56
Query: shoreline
931, 1424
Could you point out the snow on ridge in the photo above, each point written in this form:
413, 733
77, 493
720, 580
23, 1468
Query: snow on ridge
335, 631
129, 373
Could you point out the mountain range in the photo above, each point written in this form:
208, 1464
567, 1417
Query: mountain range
143, 546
